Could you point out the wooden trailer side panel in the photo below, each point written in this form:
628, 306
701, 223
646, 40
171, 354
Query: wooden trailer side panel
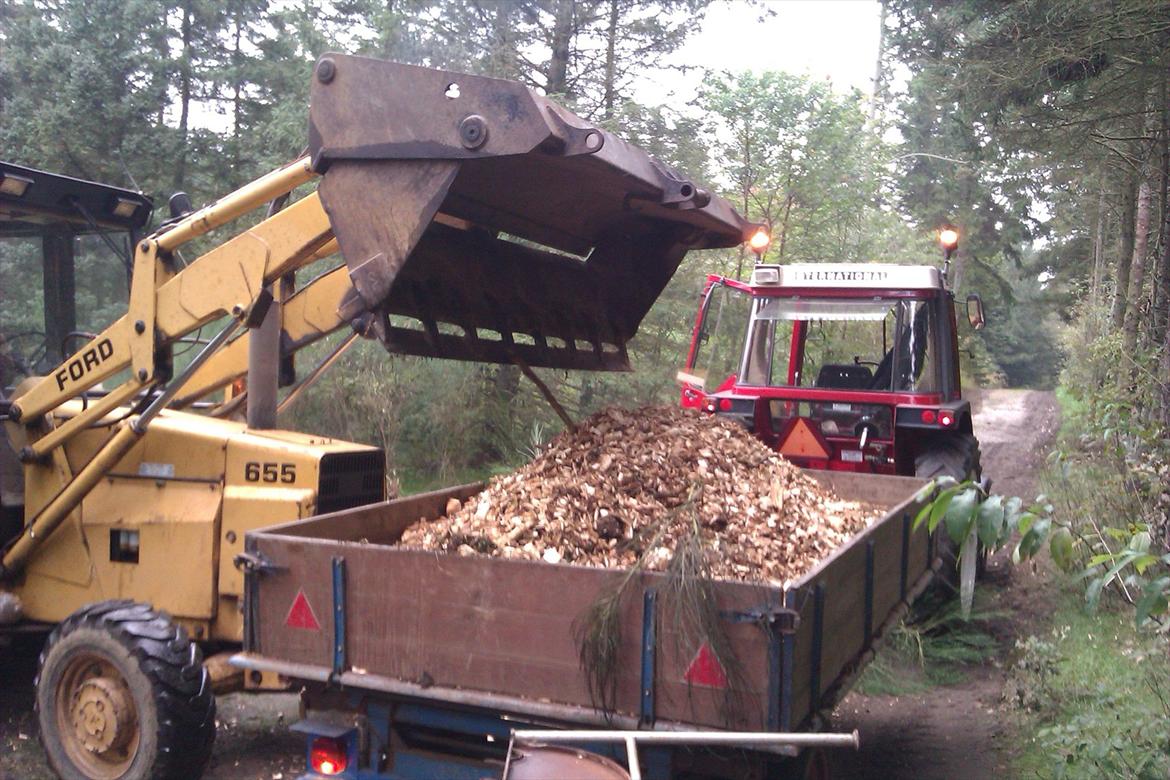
847, 597
497, 626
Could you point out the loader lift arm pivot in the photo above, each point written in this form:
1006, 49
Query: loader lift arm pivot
491, 226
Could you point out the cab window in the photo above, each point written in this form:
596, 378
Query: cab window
848, 344
719, 345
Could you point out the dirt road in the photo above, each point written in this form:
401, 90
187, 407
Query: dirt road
947, 732
954, 732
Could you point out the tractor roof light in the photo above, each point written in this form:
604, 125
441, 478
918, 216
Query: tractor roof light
14, 186
765, 276
759, 241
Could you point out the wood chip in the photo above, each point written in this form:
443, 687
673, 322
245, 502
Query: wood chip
628, 486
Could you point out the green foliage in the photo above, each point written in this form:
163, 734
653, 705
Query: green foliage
1110, 478
798, 157
936, 645
1094, 694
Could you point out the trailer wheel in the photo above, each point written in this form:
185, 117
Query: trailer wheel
121, 694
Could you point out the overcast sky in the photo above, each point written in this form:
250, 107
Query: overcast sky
825, 39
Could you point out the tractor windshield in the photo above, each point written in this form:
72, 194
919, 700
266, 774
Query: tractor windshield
875, 344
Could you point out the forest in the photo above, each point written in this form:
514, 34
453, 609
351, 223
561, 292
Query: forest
1040, 130
204, 96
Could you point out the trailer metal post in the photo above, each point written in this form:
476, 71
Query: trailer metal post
339, 664
869, 548
787, 653
818, 642
775, 679
251, 602
649, 644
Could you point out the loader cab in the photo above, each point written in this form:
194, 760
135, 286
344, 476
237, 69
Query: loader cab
843, 367
50, 226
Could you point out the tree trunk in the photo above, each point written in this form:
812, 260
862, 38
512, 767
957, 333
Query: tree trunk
1161, 282
879, 75
1125, 251
502, 57
610, 59
1098, 247
237, 95
1137, 272
1164, 378
784, 224
184, 99
557, 77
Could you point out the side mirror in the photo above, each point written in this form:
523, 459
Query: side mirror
975, 311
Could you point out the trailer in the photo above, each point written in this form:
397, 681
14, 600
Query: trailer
421, 664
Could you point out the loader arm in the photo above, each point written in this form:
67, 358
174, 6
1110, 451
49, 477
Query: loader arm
309, 315
477, 221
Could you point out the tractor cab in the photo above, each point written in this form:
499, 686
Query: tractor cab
846, 367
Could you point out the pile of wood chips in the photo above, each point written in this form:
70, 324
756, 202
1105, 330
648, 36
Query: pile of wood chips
629, 485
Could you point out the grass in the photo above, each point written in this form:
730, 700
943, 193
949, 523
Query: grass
1102, 696
935, 646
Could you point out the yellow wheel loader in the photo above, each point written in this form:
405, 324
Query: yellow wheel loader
475, 219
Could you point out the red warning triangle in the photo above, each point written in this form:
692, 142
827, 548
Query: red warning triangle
706, 670
300, 614
804, 441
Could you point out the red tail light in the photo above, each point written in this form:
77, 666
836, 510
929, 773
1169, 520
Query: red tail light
928, 416
946, 419
725, 404
328, 756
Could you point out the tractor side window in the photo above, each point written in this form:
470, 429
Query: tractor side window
719, 345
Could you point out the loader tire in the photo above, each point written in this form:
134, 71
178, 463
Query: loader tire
121, 694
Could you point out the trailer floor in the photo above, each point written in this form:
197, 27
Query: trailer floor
953, 732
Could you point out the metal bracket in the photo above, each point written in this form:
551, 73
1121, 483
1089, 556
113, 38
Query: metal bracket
255, 563
779, 620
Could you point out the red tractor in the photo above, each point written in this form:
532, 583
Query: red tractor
849, 367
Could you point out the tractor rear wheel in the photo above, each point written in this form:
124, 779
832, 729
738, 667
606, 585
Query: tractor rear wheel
953, 456
121, 694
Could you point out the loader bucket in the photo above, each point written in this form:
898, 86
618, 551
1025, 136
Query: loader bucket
483, 222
